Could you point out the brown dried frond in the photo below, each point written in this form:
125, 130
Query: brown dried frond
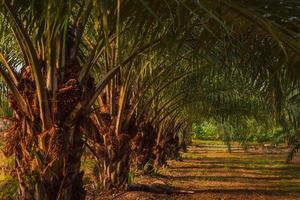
52, 141
91, 129
27, 89
12, 138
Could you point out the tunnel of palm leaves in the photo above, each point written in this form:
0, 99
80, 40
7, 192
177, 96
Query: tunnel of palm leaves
129, 83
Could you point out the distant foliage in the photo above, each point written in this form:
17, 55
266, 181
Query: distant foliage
5, 109
250, 131
205, 131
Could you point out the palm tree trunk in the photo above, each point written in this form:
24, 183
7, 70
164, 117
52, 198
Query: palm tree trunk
112, 152
47, 162
142, 149
41, 177
113, 167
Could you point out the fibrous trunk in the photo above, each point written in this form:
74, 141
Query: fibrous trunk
47, 161
53, 176
166, 148
113, 154
142, 148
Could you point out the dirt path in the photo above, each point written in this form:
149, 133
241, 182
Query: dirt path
212, 173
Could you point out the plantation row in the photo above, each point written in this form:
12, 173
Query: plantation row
125, 81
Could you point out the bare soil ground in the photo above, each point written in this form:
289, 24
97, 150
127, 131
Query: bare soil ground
209, 172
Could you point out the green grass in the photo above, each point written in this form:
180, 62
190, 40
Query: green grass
8, 187
87, 165
8, 184
220, 142
207, 142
